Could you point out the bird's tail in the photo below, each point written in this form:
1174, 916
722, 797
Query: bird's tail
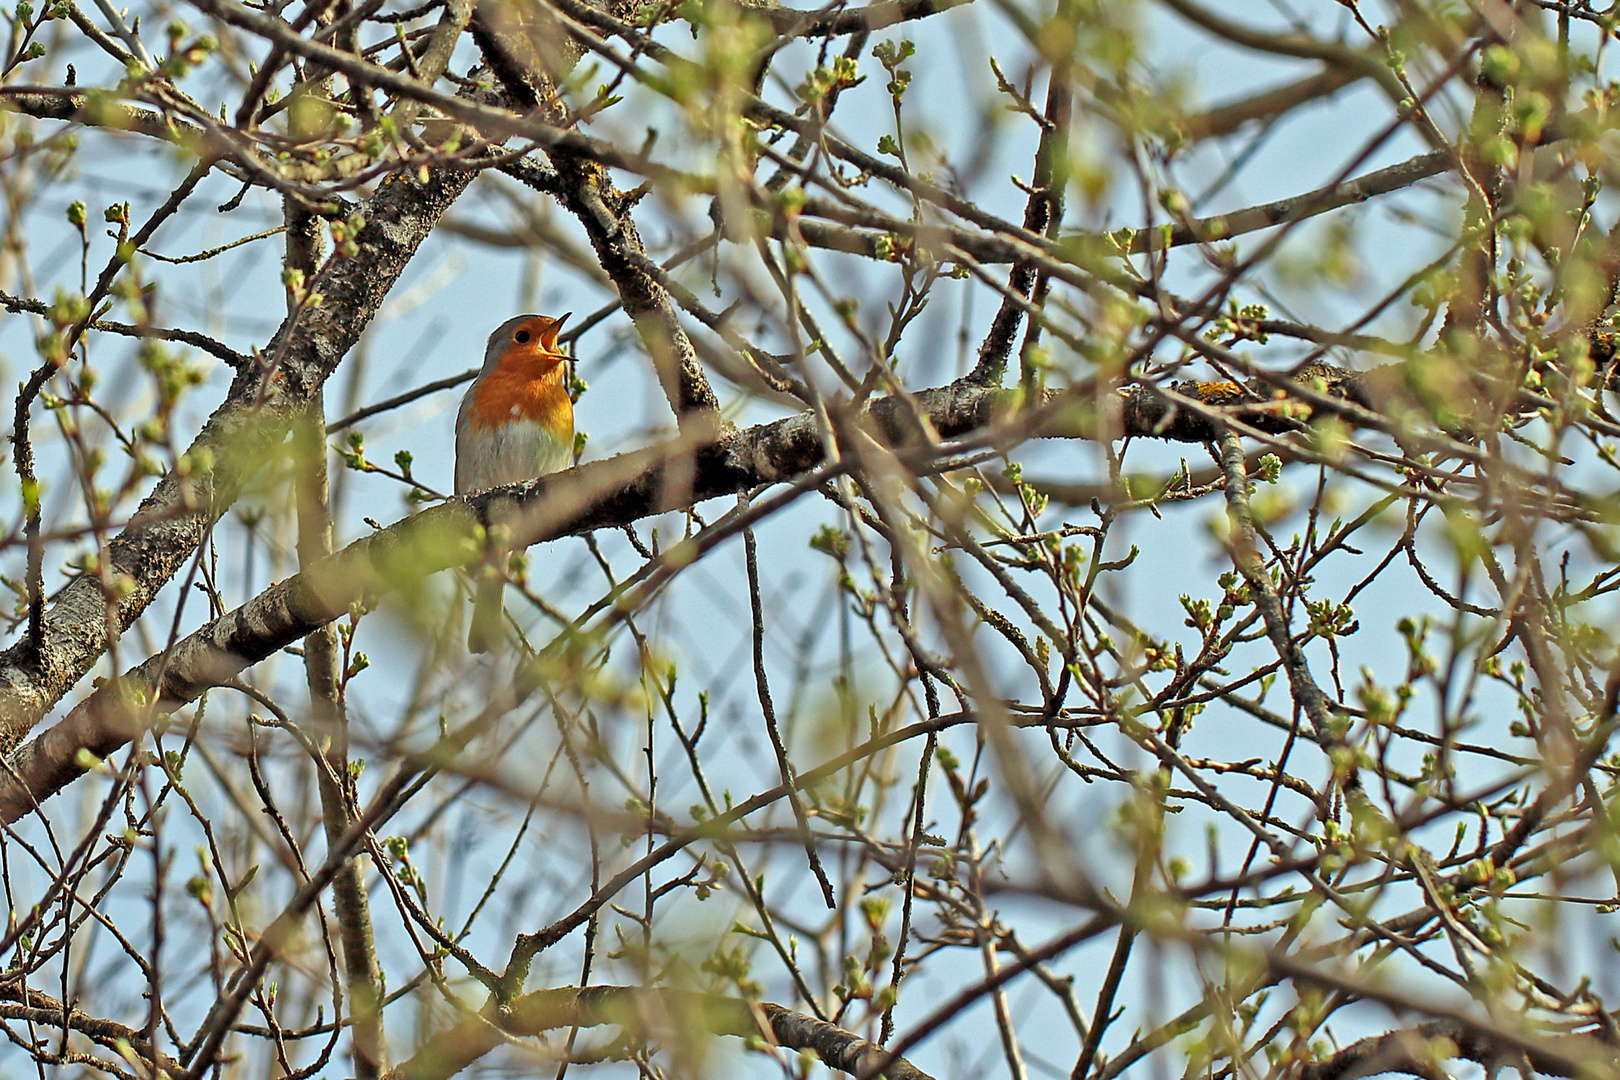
485, 632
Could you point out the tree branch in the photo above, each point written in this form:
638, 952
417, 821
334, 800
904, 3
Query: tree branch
244, 433
834, 19
1417, 1051
1270, 104
600, 494
642, 1011
589, 194
1295, 207
23, 305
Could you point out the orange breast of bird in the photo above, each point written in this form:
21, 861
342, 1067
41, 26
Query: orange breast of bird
526, 386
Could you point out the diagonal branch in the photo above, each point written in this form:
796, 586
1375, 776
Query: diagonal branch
1295, 207
588, 192
1246, 557
600, 494
582, 185
244, 433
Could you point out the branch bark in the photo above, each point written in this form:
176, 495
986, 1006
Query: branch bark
644, 1010
329, 719
245, 432
1268, 104
1417, 1051
600, 494
589, 194
1295, 207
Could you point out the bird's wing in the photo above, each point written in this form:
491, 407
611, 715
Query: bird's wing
463, 441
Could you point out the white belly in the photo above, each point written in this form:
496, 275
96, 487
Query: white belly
488, 457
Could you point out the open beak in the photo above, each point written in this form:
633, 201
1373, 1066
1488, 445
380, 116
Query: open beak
549, 339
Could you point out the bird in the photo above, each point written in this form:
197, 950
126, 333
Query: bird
516, 422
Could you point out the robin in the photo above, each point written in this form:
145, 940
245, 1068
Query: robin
516, 422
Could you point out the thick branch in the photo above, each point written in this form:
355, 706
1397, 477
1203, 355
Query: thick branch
644, 1011
600, 494
1042, 213
1506, 1038
584, 187
588, 193
1297, 45
31, 1006
51, 103
327, 713
245, 432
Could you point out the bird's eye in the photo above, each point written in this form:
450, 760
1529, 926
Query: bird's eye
521, 337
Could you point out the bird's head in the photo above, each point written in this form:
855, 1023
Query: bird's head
527, 339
